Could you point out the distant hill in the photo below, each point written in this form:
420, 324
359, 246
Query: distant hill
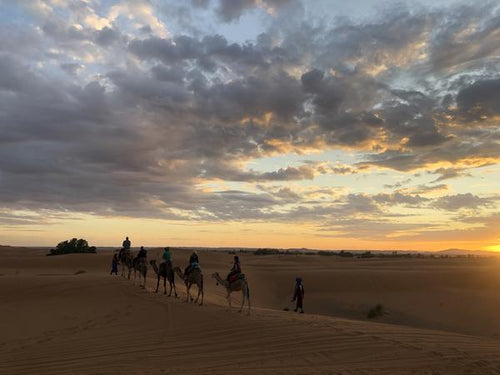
467, 252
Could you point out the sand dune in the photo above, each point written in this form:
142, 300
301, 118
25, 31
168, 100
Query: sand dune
54, 321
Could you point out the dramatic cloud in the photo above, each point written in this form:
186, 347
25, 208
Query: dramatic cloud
119, 109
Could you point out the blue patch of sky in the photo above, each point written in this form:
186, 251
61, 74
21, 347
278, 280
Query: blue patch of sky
204, 21
13, 13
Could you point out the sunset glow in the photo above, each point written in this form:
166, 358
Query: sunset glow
289, 124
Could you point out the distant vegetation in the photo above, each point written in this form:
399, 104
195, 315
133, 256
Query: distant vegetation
73, 246
376, 312
267, 252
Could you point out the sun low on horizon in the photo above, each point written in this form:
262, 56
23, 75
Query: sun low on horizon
269, 123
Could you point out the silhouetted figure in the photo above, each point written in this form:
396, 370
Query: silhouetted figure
298, 294
126, 244
193, 262
235, 271
114, 264
125, 247
142, 254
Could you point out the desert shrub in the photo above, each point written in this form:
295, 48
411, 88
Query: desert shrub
266, 252
375, 312
326, 253
346, 254
72, 246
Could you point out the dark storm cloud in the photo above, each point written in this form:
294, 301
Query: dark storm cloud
150, 118
482, 98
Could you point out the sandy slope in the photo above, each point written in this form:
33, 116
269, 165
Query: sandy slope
55, 322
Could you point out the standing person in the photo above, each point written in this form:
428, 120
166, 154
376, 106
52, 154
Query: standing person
114, 264
298, 294
166, 257
235, 271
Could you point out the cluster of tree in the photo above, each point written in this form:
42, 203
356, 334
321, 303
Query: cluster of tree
72, 246
267, 252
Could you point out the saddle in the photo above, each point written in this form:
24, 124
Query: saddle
236, 277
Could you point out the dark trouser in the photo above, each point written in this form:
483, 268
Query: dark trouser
299, 304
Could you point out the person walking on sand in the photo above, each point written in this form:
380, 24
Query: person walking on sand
298, 294
114, 264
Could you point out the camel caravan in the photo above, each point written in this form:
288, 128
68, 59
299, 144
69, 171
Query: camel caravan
191, 275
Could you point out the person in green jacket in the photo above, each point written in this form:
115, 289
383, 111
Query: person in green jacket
166, 257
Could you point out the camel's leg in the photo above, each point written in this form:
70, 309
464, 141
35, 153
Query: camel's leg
242, 299
228, 298
198, 296
188, 286
157, 284
165, 285
200, 292
172, 284
248, 298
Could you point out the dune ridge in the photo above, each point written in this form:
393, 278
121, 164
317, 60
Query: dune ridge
93, 323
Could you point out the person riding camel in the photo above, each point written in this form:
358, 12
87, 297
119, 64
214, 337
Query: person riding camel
166, 257
193, 262
142, 254
125, 247
235, 271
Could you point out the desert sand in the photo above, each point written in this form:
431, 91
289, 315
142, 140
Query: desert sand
66, 315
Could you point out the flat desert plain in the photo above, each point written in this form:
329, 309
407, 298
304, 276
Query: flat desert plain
67, 315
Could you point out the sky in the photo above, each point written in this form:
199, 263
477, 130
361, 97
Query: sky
251, 123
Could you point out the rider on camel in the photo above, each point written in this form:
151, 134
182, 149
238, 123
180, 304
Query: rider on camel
235, 271
193, 262
125, 247
166, 257
142, 254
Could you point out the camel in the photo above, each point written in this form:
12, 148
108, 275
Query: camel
195, 277
142, 267
166, 272
126, 261
239, 284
